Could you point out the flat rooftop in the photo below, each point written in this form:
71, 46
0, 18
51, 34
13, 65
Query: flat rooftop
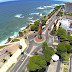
65, 23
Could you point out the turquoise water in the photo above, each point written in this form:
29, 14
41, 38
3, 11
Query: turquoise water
16, 15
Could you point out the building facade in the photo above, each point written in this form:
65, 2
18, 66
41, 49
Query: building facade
68, 7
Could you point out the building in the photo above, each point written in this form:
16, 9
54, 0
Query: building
68, 7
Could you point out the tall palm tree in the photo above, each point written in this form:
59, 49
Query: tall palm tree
20, 47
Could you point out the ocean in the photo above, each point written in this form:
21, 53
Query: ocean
16, 15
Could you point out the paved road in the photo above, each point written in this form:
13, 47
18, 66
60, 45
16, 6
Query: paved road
58, 66
70, 68
21, 65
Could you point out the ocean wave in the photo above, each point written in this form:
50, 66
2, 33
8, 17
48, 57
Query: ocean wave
30, 17
40, 7
44, 7
32, 20
19, 16
22, 28
4, 41
48, 7
56, 4
51, 10
34, 14
6, 0
14, 35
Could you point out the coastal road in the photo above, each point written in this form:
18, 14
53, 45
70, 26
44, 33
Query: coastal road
21, 65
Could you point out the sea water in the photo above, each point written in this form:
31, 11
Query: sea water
16, 15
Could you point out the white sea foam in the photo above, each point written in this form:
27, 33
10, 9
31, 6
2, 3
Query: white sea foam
56, 4
32, 20
19, 16
40, 7
34, 14
14, 35
23, 28
4, 41
44, 7
30, 17
6, 0
48, 7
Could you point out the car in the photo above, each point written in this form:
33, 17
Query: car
22, 60
25, 52
35, 35
48, 28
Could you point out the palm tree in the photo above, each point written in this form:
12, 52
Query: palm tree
20, 47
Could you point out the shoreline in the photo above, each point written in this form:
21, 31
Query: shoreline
24, 29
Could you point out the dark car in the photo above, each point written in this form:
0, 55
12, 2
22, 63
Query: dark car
48, 28
35, 35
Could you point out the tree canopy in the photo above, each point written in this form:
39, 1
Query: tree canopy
47, 51
36, 62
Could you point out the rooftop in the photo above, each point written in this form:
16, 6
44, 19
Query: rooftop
68, 3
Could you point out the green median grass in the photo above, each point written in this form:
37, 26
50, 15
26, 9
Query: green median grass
65, 69
3, 46
15, 40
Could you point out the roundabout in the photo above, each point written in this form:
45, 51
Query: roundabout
37, 40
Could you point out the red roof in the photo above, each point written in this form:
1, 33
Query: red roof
68, 3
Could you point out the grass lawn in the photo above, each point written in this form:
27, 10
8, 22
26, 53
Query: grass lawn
14, 40
3, 46
65, 69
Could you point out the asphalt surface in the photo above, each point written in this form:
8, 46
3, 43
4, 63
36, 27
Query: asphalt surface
70, 68
21, 65
58, 66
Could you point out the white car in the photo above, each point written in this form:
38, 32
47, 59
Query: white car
22, 60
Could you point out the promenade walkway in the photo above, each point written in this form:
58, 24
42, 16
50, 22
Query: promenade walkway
52, 67
13, 59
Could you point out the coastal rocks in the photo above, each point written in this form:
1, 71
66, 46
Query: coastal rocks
9, 39
20, 34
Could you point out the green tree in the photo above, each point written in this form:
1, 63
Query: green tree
61, 48
48, 52
69, 47
34, 28
36, 62
36, 23
20, 47
62, 34
63, 56
44, 45
54, 30
43, 22
60, 13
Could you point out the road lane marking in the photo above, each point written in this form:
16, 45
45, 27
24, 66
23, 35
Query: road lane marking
25, 59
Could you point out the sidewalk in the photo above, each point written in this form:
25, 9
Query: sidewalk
52, 67
13, 59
